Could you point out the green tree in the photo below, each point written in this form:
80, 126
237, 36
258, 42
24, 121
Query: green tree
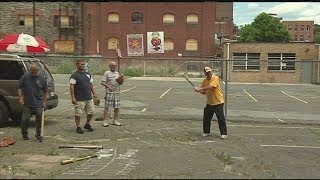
264, 28
317, 33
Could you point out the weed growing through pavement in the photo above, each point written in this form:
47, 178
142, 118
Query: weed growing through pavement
53, 152
225, 158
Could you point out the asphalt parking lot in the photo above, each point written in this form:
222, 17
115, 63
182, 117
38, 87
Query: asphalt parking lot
273, 132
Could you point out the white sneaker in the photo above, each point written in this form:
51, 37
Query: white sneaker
105, 123
117, 123
223, 136
206, 134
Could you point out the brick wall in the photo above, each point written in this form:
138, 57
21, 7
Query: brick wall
45, 29
303, 51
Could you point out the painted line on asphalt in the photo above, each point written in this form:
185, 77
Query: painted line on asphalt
165, 93
128, 89
289, 146
278, 118
294, 97
279, 127
161, 96
250, 95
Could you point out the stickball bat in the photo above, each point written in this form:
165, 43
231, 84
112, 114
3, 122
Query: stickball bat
72, 160
187, 78
85, 147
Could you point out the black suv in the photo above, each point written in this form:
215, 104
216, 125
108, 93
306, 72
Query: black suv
12, 67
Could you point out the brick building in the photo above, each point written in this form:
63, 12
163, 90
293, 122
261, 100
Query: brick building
107, 25
57, 23
301, 31
90, 28
273, 62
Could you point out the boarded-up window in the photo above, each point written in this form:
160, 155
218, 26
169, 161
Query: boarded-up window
168, 44
137, 17
64, 46
191, 45
192, 19
26, 20
168, 19
113, 18
113, 43
64, 21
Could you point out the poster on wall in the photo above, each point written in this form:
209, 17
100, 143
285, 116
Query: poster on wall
135, 44
155, 42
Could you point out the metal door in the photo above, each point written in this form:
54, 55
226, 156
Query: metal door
306, 72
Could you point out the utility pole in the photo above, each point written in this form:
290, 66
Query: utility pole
34, 18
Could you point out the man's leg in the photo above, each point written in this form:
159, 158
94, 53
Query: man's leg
78, 112
221, 119
116, 114
89, 109
38, 112
26, 115
207, 116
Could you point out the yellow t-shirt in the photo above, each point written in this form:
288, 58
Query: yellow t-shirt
214, 95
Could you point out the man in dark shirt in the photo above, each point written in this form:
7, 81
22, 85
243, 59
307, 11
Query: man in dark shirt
32, 92
81, 90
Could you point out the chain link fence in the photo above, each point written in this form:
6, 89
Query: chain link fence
155, 88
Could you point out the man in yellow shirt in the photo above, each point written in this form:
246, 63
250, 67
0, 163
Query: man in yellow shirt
210, 87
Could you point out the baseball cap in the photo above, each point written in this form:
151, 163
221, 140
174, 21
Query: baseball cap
207, 69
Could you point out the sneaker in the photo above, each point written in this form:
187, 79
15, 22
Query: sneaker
223, 136
26, 138
206, 134
117, 123
79, 130
88, 127
39, 138
105, 123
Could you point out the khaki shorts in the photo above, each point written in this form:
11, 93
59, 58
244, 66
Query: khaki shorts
84, 106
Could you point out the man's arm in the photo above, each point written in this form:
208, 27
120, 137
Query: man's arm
20, 95
73, 98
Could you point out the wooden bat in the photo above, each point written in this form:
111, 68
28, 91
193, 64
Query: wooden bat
42, 126
85, 147
187, 78
72, 160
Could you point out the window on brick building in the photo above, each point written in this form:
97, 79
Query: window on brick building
64, 46
113, 43
26, 20
168, 19
63, 21
301, 38
191, 45
296, 27
289, 27
308, 28
301, 27
246, 61
168, 44
295, 37
281, 61
137, 18
113, 18
192, 19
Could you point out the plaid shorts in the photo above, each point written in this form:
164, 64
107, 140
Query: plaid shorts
112, 100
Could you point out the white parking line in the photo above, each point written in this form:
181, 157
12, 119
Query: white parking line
278, 118
165, 93
294, 97
280, 127
250, 95
289, 146
128, 89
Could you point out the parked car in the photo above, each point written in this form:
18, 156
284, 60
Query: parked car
12, 67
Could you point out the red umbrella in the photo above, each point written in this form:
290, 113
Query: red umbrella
23, 43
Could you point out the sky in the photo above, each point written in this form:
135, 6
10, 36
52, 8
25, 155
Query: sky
245, 12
